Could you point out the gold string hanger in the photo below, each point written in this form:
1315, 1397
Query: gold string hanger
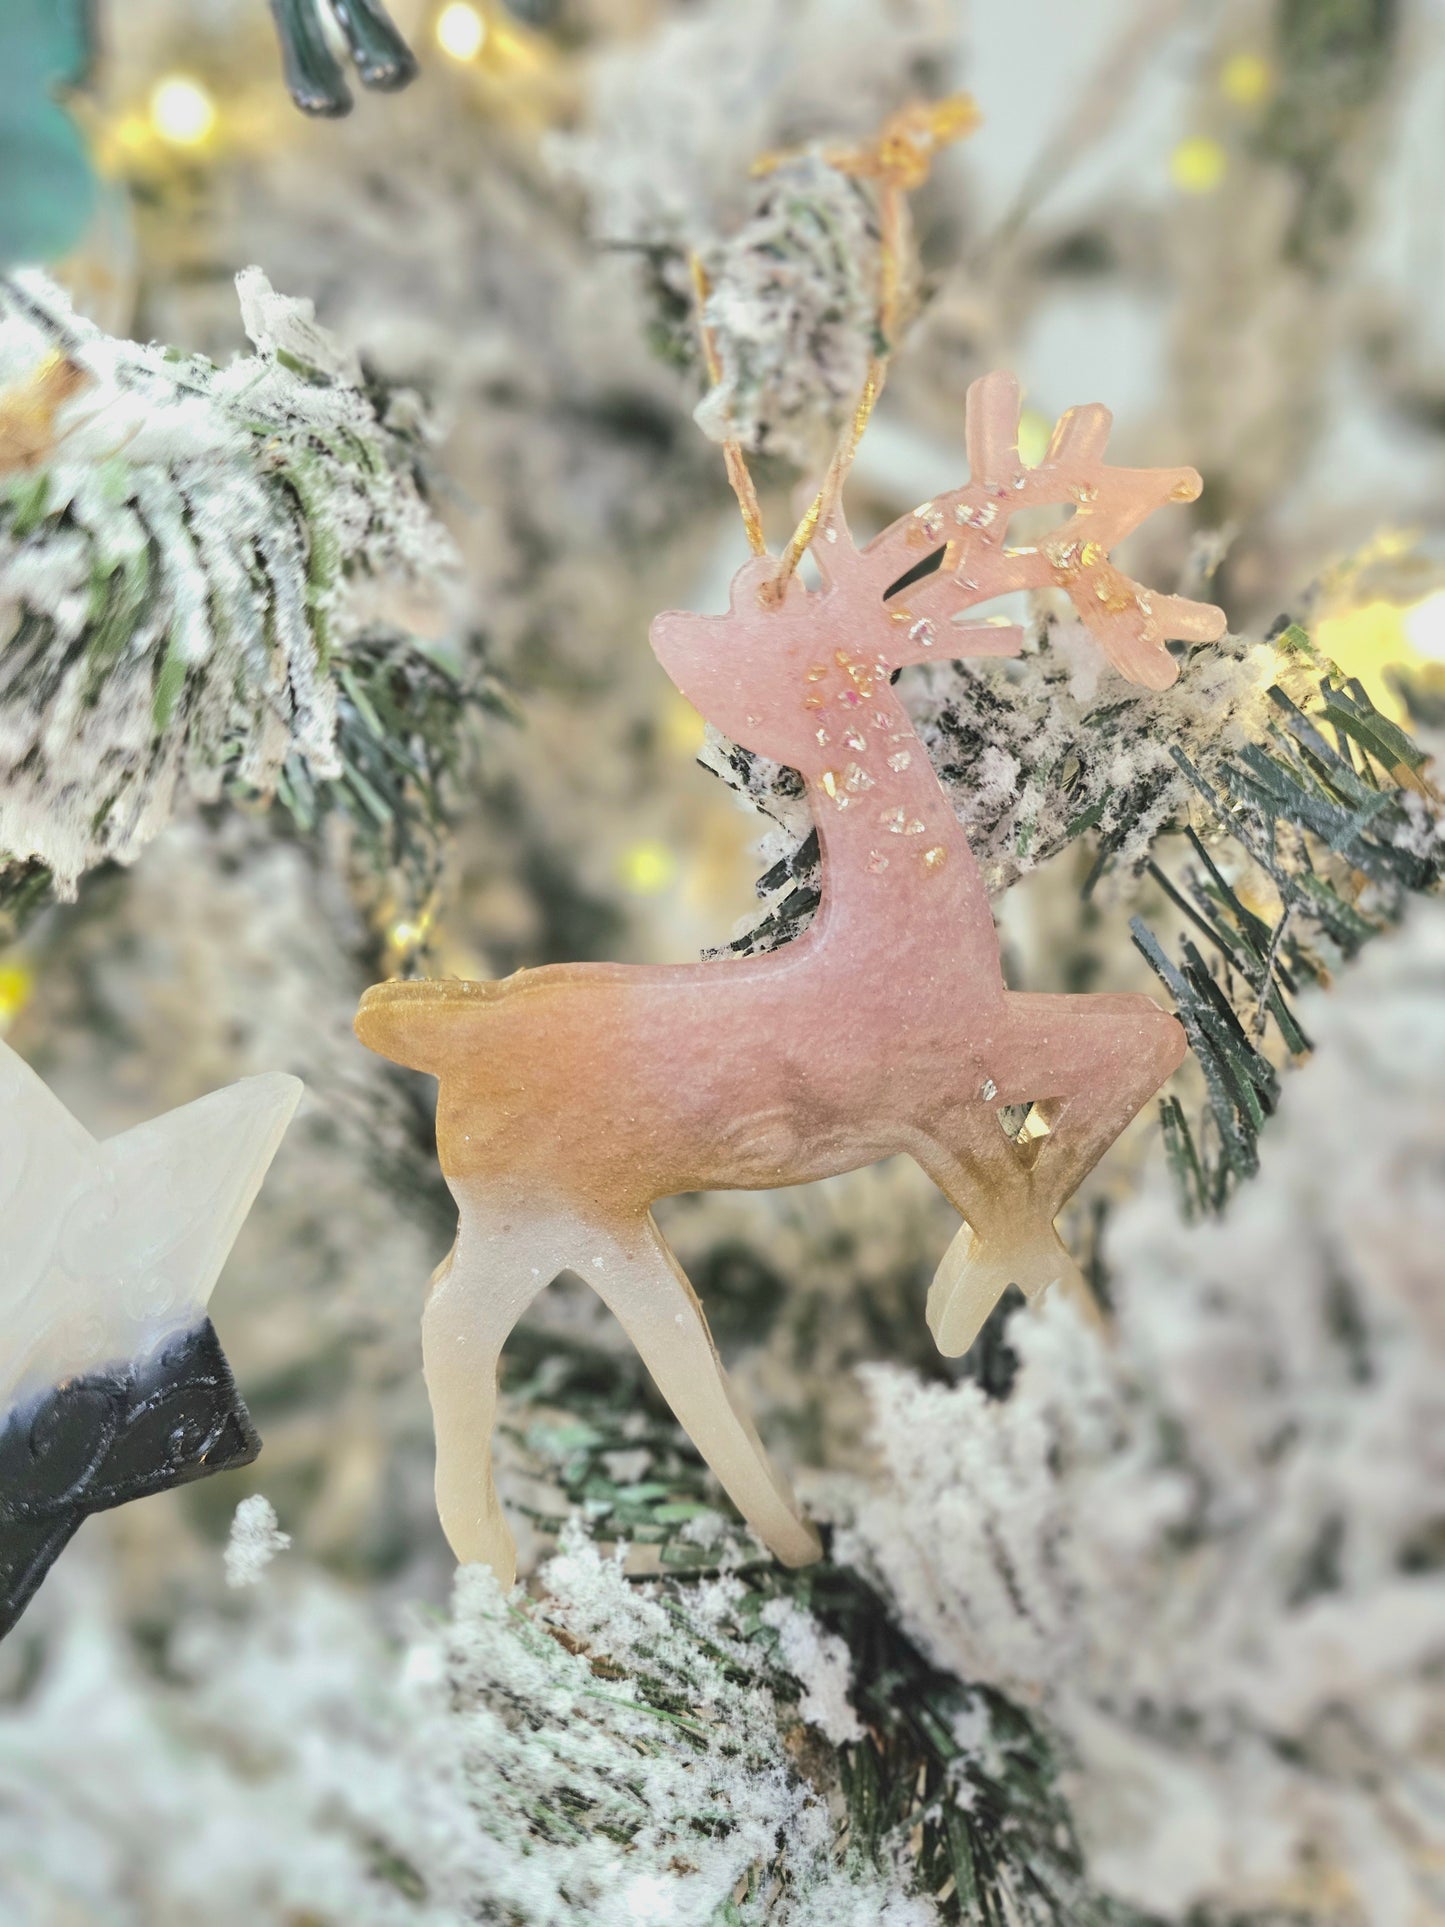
899, 158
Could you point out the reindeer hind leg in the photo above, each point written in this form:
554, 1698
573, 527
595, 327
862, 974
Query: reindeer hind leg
1117, 1050
974, 1274
641, 1282
1003, 1240
1091, 1063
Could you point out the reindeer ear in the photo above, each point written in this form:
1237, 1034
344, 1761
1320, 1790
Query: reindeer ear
685, 645
756, 588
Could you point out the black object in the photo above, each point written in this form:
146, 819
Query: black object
314, 75
107, 1438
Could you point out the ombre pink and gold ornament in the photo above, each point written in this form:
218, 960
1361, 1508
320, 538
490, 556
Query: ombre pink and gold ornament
574, 1096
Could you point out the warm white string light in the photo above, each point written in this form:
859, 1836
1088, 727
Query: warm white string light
461, 31
181, 110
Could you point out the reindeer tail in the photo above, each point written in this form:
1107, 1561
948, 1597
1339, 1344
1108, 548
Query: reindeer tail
415, 1023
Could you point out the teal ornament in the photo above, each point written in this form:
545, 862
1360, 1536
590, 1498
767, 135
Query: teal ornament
314, 74
47, 185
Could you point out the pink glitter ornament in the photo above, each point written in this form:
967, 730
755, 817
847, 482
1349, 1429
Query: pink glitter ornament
574, 1096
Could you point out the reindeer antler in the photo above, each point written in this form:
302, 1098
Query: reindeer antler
1130, 623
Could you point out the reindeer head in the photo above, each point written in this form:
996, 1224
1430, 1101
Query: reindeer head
756, 673
787, 669
759, 672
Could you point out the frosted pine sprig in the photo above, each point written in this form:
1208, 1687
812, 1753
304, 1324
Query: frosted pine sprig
1205, 1552
792, 313
185, 553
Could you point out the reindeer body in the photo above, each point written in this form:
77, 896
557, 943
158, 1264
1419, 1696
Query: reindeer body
574, 1096
622, 1084
618, 1091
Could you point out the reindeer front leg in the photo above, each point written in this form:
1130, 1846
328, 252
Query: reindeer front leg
642, 1283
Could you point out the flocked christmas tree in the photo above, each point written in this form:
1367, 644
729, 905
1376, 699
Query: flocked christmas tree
1121, 1625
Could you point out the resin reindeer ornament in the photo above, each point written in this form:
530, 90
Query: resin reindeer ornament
574, 1096
113, 1383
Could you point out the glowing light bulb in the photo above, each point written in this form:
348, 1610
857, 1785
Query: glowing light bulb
181, 110
1197, 165
461, 31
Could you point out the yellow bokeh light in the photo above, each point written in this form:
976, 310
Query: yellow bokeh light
648, 869
131, 134
181, 111
682, 728
1034, 432
1246, 79
1197, 165
1424, 627
461, 31
16, 984
1379, 636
